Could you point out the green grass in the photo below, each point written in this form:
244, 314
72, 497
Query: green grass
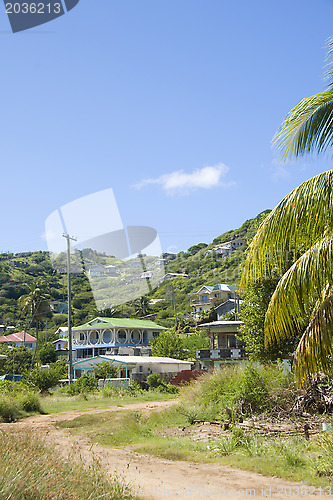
292, 458
29, 470
59, 402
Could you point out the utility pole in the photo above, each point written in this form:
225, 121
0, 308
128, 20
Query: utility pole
70, 339
174, 305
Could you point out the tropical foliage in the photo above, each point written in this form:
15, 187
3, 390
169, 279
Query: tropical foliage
296, 241
308, 126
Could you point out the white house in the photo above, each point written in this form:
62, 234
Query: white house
19, 339
225, 249
102, 336
135, 367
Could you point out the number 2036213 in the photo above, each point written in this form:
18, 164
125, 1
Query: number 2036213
33, 8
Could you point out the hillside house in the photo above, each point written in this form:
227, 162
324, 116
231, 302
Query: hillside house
224, 344
102, 336
19, 339
207, 297
225, 249
230, 305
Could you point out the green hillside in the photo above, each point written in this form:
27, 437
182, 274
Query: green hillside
17, 271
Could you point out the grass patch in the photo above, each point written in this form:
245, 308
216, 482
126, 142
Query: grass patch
60, 402
31, 471
292, 458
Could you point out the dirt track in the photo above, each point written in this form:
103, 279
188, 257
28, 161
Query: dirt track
152, 477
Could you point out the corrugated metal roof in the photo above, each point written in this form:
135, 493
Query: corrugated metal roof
18, 337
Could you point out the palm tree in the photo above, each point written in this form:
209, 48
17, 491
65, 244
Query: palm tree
142, 307
308, 127
296, 241
37, 304
299, 231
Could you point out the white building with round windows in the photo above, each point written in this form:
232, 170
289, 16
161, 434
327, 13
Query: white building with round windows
101, 336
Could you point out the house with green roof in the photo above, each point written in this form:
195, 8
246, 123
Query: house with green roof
102, 336
210, 296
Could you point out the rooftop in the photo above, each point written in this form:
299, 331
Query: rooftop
119, 323
18, 337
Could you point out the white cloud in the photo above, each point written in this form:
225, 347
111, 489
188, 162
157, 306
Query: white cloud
182, 182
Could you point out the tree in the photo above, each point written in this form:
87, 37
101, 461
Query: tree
168, 344
47, 354
106, 369
18, 360
37, 304
141, 306
300, 228
308, 126
256, 300
296, 241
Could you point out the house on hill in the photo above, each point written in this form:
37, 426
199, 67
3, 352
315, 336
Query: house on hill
114, 336
225, 249
19, 339
225, 346
207, 297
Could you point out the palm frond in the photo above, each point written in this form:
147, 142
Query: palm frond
314, 351
301, 219
301, 290
308, 126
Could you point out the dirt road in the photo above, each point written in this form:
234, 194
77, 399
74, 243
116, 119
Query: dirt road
155, 478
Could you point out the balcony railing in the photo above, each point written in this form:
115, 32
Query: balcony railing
221, 354
201, 302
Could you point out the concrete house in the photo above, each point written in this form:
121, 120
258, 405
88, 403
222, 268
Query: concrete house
19, 339
135, 367
205, 298
114, 336
224, 344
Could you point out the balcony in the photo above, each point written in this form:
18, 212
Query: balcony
220, 354
200, 302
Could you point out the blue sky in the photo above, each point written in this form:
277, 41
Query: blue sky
172, 103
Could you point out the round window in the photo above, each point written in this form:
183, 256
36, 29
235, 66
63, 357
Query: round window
121, 335
135, 336
107, 337
93, 337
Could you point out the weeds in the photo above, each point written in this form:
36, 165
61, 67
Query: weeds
31, 471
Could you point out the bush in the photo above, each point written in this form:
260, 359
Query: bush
85, 384
17, 400
44, 378
155, 382
239, 390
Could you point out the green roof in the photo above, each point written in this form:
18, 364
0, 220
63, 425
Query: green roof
119, 323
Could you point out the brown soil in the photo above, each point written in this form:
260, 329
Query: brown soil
152, 477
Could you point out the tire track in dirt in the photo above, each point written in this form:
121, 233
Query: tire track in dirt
156, 478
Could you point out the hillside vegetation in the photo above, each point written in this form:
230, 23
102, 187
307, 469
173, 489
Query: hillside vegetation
19, 271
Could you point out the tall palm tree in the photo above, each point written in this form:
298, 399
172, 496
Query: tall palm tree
308, 127
36, 303
296, 240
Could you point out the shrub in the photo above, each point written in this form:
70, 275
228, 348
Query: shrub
155, 382
84, 385
236, 390
16, 400
44, 378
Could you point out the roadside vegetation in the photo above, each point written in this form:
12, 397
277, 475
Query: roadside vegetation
225, 400
30, 470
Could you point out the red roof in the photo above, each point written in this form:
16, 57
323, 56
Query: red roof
18, 337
